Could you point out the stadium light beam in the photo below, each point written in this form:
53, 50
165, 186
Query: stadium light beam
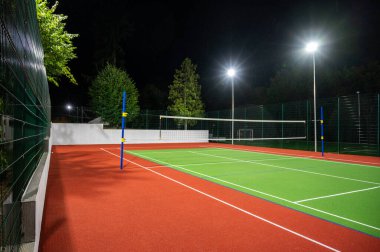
231, 73
312, 47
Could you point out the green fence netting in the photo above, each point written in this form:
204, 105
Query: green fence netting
24, 111
351, 123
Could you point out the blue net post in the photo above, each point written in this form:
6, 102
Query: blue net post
322, 133
123, 116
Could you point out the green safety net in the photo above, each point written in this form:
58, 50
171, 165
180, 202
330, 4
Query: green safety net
24, 112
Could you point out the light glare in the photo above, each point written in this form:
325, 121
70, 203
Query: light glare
312, 47
231, 72
68, 107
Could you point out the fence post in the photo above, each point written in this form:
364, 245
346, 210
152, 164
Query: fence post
262, 123
146, 118
166, 120
338, 125
217, 126
378, 124
307, 124
282, 125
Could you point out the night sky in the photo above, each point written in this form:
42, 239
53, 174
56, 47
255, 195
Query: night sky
258, 37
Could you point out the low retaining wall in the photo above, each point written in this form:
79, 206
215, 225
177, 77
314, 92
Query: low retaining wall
33, 201
76, 133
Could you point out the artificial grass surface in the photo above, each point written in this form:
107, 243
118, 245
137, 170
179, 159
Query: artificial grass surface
286, 180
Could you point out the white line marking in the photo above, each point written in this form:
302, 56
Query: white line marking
345, 161
166, 151
161, 146
229, 204
337, 194
337, 216
263, 193
155, 166
211, 177
212, 163
286, 168
227, 162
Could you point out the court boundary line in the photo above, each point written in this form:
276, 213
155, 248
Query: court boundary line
337, 194
263, 193
339, 217
292, 169
155, 166
205, 175
330, 160
229, 162
228, 204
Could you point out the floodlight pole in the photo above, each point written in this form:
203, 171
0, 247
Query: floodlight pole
231, 74
233, 109
359, 131
315, 107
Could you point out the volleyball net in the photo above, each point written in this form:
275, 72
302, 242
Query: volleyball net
222, 129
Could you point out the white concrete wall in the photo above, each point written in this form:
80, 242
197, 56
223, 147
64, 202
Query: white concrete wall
75, 133
40, 197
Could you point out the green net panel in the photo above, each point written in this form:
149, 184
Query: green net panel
24, 111
351, 123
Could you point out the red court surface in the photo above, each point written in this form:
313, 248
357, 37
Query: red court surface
93, 206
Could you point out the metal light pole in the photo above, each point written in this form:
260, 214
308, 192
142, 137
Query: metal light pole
231, 73
359, 133
233, 109
312, 48
69, 108
315, 107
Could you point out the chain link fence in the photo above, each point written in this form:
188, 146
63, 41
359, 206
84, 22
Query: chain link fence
24, 112
351, 123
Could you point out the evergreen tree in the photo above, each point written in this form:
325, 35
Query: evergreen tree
106, 95
185, 94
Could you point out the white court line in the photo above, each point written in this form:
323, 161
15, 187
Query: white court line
345, 161
292, 169
337, 194
155, 166
212, 163
165, 151
260, 192
161, 146
230, 205
211, 177
228, 162
295, 156
337, 216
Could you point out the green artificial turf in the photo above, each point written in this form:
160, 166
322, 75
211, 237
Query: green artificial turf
290, 181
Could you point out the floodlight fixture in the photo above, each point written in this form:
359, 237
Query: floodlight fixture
231, 72
312, 47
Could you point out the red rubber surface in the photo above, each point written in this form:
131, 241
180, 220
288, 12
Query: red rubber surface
93, 206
